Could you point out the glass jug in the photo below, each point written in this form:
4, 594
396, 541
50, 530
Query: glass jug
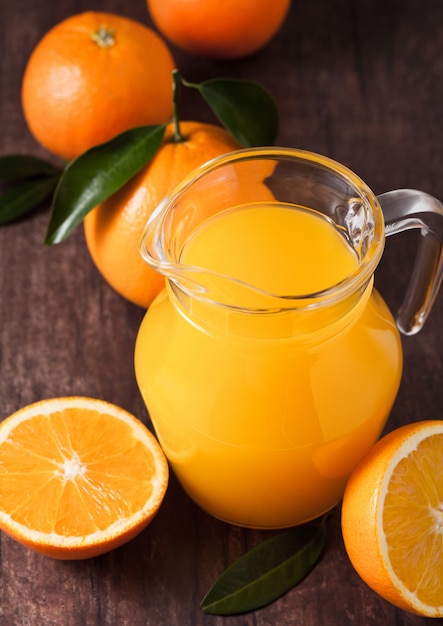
269, 363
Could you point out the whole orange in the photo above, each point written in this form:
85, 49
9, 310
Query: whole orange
93, 76
114, 228
223, 29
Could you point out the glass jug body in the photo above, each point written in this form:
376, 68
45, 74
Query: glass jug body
269, 364
264, 432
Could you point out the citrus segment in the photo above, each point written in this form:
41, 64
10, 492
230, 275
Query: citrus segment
78, 476
93, 76
392, 518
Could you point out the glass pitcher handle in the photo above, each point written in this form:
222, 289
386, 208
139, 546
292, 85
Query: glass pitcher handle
405, 209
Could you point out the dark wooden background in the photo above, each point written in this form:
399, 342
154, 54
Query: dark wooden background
358, 80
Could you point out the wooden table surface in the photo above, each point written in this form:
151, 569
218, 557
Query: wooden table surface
358, 80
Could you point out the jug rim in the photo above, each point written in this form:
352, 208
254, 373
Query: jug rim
152, 244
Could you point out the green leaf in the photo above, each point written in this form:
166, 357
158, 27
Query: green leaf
17, 166
246, 109
266, 572
97, 174
24, 197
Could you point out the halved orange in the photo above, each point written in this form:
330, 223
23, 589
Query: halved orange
392, 518
78, 477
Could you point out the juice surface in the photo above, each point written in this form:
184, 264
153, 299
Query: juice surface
262, 427
281, 250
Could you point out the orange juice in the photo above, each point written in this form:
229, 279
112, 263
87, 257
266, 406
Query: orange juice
263, 411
